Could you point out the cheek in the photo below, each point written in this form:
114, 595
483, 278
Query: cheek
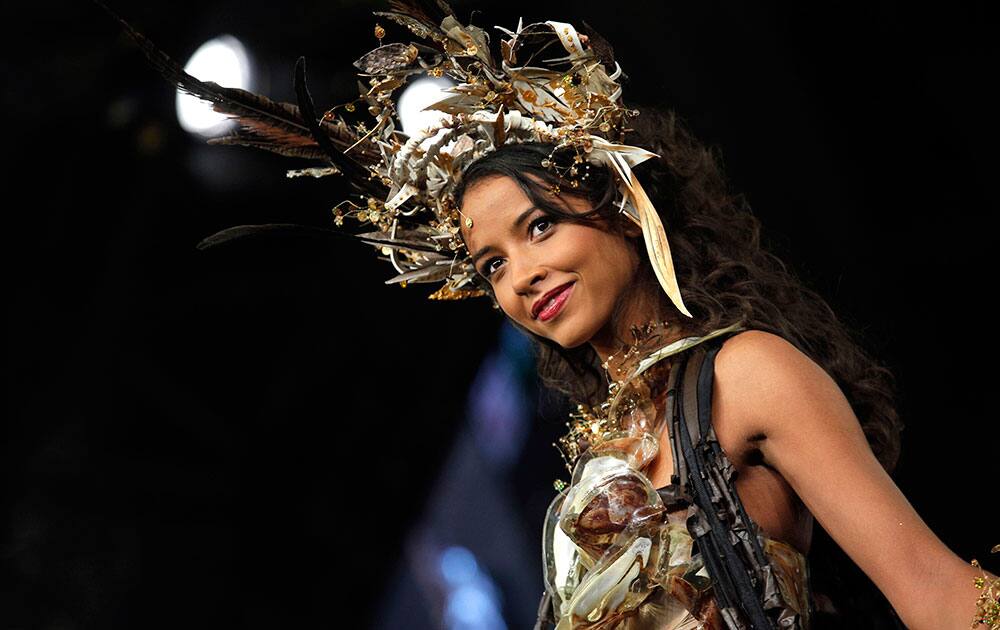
608, 259
511, 305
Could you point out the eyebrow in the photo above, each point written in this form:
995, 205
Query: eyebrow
518, 221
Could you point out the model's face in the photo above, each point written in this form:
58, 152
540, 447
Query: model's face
525, 254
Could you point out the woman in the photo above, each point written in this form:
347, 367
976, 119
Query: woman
728, 427
569, 270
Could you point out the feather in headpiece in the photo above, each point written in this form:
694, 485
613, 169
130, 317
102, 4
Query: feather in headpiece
405, 183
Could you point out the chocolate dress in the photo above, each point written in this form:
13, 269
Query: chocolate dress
621, 554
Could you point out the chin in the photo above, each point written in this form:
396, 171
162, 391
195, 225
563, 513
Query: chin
563, 331
567, 335
574, 342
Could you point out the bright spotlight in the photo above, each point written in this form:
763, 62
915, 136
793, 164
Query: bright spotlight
223, 60
418, 95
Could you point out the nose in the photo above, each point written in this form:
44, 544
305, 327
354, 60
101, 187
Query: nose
526, 276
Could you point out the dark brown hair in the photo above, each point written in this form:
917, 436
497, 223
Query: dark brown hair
725, 276
724, 273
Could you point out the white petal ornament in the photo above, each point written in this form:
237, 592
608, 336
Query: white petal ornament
635, 202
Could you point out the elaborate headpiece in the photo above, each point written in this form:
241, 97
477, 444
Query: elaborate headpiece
572, 101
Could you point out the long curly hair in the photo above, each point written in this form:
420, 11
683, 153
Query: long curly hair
725, 276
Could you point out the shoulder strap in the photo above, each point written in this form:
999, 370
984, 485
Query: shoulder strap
546, 614
680, 473
727, 538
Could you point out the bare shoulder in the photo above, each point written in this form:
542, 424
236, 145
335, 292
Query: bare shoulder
752, 349
803, 427
762, 377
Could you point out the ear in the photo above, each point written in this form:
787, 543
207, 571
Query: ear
631, 229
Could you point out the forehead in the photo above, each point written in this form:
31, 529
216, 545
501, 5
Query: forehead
492, 204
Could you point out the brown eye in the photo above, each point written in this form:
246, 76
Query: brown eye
542, 220
545, 222
487, 269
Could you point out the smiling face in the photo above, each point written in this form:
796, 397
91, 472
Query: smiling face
525, 254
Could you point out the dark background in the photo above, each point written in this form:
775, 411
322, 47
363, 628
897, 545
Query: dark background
246, 436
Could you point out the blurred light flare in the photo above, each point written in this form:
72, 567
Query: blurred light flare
223, 60
418, 95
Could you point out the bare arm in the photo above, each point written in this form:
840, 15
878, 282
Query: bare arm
813, 438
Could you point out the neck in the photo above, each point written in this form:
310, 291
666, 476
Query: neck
617, 334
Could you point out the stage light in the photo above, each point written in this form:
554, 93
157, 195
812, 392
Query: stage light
223, 60
415, 98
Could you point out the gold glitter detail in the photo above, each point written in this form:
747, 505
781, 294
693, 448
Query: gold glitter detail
447, 293
589, 426
587, 98
988, 604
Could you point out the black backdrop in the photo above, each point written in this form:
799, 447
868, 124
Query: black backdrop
241, 437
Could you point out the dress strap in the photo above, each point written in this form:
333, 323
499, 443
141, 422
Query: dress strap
546, 618
680, 474
727, 538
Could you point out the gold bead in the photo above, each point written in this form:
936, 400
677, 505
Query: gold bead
379, 32
468, 222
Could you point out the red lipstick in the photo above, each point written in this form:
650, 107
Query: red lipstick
552, 303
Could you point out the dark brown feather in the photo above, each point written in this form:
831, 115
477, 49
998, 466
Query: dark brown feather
265, 124
295, 229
